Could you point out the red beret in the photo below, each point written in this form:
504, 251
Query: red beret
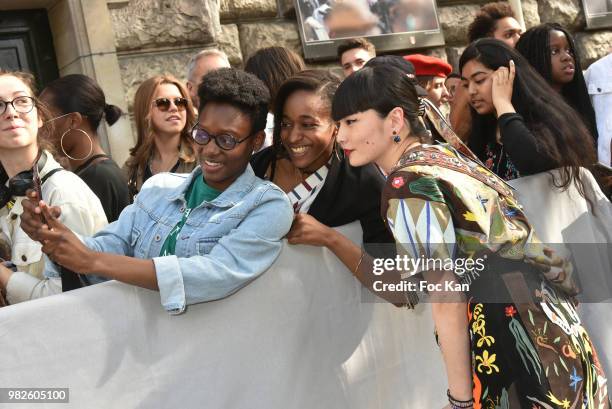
425, 65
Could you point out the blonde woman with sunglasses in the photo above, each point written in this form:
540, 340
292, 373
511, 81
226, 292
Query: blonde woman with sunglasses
164, 116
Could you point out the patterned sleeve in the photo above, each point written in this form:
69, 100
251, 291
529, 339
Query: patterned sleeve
419, 218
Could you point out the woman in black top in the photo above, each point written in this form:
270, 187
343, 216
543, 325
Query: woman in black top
551, 50
78, 105
305, 162
521, 127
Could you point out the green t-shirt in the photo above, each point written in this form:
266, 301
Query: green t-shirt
197, 193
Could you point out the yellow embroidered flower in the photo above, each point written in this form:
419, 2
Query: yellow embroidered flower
486, 361
485, 339
478, 326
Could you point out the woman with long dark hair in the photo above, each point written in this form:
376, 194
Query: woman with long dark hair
551, 50
512, 337
78, 105
527, 129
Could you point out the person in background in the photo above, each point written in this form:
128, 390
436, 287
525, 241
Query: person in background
78, 106
431, 73
196, 237
26, 162
345, 19
598, 78
201, 64
273, 65
452, 84
496, 20
305, 162
551, 50
513, 133
164, 117
354, 54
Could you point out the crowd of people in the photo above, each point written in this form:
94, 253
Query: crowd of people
233, 161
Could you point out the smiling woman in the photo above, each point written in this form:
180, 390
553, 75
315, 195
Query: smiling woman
196, 237
25, 163
324, 189
163, 113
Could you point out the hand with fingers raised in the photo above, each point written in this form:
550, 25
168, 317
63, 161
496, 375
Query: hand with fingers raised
62, 245
32, 221
501, 89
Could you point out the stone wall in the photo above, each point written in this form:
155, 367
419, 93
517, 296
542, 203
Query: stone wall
159, 36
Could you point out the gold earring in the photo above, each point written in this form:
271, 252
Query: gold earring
64, 150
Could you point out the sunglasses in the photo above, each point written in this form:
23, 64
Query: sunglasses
224, 141
163, 104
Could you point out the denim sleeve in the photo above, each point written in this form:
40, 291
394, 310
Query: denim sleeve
114, 238
239, 257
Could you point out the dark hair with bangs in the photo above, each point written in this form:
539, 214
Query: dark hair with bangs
381, 88
534, 45
320, 82
559, 130
238, 88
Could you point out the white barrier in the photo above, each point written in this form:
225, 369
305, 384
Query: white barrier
297, 337
564, 217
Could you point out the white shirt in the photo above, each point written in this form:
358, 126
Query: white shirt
82, 212
599, 83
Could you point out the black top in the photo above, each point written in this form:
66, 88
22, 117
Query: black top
348, 194
106, 180
519, 153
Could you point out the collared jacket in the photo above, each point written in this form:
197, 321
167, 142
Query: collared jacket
348, 194
224, 244
82, 212
599, 82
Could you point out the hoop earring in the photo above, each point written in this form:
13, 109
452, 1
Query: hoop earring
396, 137
64, 150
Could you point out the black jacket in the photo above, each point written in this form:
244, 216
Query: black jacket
348, 194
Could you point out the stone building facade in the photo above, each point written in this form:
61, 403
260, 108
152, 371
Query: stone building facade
120, 43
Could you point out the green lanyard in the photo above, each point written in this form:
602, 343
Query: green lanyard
197, 193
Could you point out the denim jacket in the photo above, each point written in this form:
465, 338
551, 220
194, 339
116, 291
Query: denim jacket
223, 245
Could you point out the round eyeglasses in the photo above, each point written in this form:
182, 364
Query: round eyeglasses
21, 104
224, 141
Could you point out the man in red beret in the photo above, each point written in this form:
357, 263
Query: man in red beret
431, 73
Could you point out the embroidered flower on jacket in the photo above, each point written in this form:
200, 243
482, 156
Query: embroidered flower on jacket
510, 311
398, 182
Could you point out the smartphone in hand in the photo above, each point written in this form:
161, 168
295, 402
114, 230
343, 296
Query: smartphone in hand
37, 187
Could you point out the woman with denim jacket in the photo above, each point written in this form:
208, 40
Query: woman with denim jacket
195, 237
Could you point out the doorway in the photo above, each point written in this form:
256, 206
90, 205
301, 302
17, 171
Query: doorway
26, 44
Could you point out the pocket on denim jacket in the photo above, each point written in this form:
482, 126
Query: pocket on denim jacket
205, 245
